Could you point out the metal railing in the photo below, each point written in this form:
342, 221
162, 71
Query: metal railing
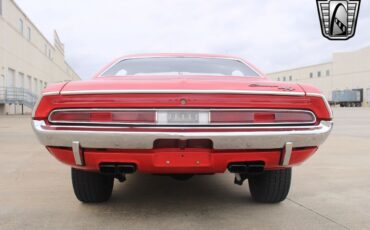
17, 96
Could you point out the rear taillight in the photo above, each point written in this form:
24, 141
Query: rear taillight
262, 117
104, 117
197, 117
313, 102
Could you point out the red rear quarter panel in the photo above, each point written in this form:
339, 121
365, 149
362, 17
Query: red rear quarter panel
310, 89
54, 88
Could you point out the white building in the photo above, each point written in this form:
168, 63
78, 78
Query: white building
347, 70
28, 61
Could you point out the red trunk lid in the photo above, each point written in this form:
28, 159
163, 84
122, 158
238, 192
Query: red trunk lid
184, 92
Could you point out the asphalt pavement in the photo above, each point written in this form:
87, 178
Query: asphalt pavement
330, 191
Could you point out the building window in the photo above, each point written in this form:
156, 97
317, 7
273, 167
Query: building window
290, 78
1, 7
311, 75
328, 73
10, 78
319, 74
29, 33
284, 78
29, 83
278, 78
2, 80
45, 49
35, 89
21, 26
20, 80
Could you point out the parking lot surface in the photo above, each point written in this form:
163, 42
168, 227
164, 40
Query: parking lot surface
330, 191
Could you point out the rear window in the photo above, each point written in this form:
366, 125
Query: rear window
180, 66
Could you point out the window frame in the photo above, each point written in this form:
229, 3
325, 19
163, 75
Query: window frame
258, 73
21, 26
28, 33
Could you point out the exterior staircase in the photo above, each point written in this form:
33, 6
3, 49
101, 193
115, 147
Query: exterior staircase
17, 96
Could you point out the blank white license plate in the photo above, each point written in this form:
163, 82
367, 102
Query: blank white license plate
183, 117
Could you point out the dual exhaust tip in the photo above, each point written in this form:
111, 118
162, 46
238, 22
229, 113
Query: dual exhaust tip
129, 168
246, 168
118, 169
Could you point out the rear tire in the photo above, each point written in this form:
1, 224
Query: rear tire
91, 187
271, 186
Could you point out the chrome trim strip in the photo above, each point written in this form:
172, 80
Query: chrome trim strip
51, 93
286, 154
221, 140
175, 91
76, 149
170, 110
325, 101
176, 128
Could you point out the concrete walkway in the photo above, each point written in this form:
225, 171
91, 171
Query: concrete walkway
330, 191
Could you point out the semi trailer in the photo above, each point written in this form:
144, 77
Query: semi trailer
348, 97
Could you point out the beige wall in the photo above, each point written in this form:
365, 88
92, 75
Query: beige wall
27, 52
348, 70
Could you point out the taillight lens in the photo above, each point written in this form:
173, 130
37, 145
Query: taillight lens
261, 117
135, 117
184, 117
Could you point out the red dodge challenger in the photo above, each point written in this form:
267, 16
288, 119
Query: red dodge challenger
181, 115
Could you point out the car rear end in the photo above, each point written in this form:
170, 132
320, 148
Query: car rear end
182, 126
182, 133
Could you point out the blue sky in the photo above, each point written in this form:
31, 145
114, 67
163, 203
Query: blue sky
274, 35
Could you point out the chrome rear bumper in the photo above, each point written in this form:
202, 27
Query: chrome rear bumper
241, 140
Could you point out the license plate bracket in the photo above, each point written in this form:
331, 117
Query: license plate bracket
182, 159
183, 117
